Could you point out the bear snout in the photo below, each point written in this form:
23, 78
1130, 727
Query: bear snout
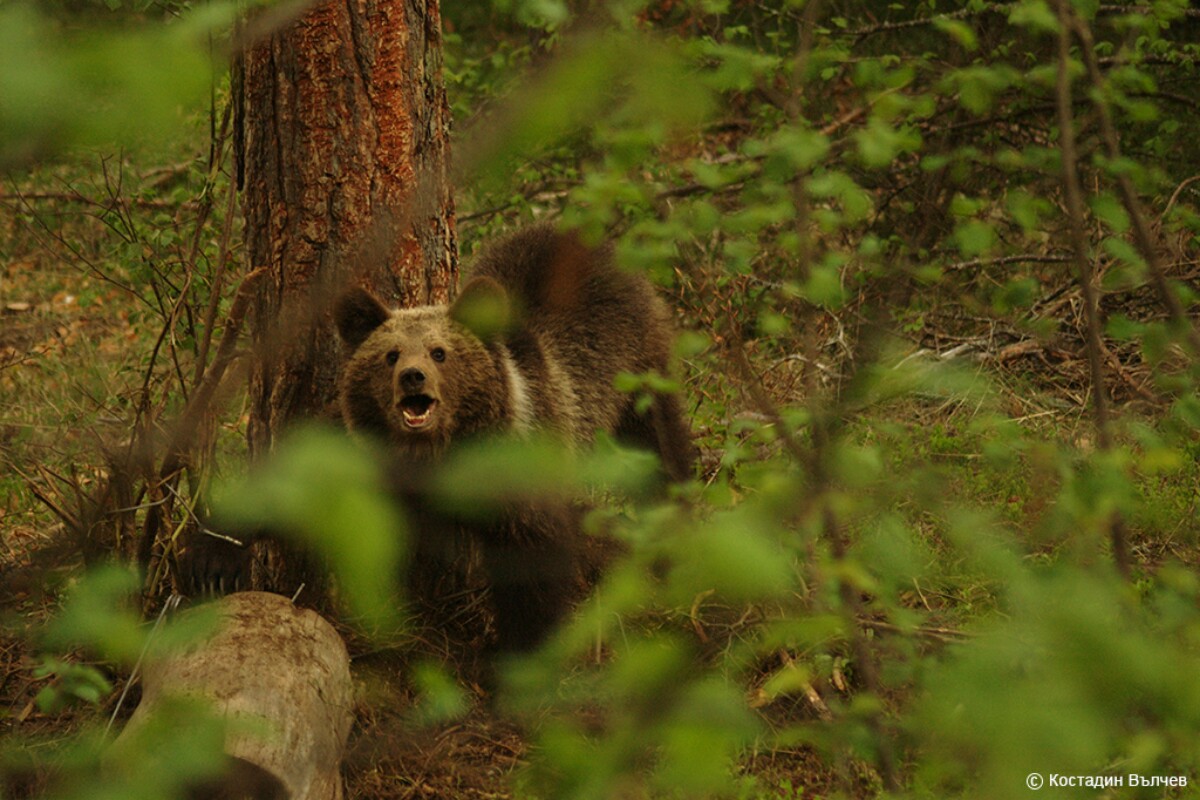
412, 381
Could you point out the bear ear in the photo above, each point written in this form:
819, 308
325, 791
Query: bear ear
358, 313
482, 308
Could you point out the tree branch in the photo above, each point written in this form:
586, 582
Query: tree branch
1079, 246
1144, 238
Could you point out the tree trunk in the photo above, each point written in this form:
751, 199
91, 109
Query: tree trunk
345, 151
343, 160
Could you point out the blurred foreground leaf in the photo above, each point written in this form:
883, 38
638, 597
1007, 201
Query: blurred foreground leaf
63, 87
327, 492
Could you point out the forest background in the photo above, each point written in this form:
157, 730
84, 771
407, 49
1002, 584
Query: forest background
935, 267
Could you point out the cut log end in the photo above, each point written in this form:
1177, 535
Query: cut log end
279, 676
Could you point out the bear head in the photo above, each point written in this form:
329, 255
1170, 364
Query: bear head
421, 377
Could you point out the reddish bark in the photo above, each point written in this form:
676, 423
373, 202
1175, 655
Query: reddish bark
345, 153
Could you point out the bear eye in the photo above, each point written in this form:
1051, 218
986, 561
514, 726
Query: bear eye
438, 354
392, 357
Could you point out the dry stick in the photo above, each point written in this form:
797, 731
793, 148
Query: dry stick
1175, 196
214, 297
189, 422
989, 8
216, 152
198, 406
77, 197
1079, 246
217, 146
1143, 236
1027, 258
60, 511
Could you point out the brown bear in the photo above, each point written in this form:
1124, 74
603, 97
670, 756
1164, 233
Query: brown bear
564, 322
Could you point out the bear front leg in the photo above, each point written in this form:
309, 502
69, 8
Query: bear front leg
533, 567
213, 564
663, 430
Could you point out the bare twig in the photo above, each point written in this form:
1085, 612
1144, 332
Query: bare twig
1144, 238
172, 603
218, 281
1079, 246
198, 406
937, 634
1025, 258
81, 199
989, 8
1175, 196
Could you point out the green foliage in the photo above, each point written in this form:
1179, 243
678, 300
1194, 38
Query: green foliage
898, 560
895, 153
62, 87
329, 493
1079, 669
442, 699
180, 744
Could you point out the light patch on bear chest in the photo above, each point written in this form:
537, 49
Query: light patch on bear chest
520, 406
566, 399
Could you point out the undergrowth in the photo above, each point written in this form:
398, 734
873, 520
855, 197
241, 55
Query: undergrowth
926, 552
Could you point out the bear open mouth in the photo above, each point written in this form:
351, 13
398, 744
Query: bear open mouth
417, 409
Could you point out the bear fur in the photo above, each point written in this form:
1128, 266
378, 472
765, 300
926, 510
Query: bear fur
534, 343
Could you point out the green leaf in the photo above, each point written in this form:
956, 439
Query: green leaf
1125, 252
1018, 293
1034, 14
1122, 328
977, 86
824, 284
963, 206
974, 237
61, 86
737, 68
957, 30
98, 615
794, 150
733, 555
1110, 211
689, 344
327, 492
441, 698
1027, 210
879, 143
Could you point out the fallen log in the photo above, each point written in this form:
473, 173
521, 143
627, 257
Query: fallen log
280, 677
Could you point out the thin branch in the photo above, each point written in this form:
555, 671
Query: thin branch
990, 8
1175, 196
76, 197
89, 266
1024, 258
197, 407
198, 404
825, 427
214, 289
1079, 246
1144, 238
